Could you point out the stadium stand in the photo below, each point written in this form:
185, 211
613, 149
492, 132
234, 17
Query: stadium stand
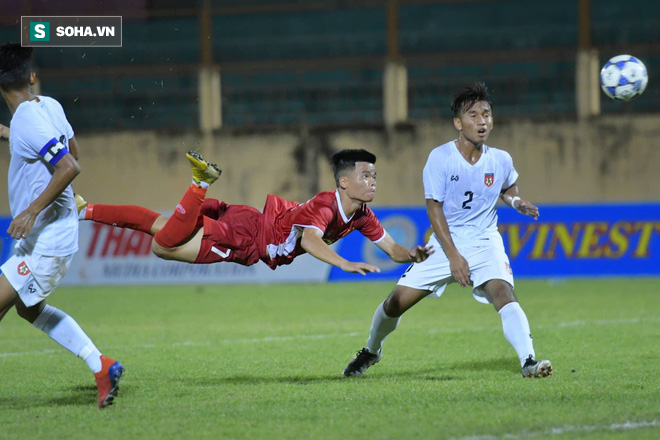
322, 62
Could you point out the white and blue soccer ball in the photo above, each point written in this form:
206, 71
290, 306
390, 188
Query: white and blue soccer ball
623, 78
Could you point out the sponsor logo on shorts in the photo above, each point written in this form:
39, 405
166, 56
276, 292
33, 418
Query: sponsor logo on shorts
23, 269
180, 209
508, 268
489, 179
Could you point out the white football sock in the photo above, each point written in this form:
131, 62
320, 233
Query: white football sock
516, 330
201, 184
381, 326
81, 214
64, 330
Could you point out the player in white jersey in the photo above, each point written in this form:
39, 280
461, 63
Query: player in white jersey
463, 180
43, 164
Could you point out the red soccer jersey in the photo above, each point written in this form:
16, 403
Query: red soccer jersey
284, 222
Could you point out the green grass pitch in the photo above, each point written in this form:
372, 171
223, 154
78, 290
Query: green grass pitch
265, 362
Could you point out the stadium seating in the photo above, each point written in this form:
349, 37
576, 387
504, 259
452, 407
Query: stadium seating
137, 103
151, 82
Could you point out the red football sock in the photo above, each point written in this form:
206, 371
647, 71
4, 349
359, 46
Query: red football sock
183, 222
124, 216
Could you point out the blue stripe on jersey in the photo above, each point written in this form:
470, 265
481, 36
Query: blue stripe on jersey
53, 151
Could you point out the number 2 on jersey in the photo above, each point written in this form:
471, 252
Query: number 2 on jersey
469, 195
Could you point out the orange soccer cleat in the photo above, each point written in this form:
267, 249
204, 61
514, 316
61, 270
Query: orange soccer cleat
107, 380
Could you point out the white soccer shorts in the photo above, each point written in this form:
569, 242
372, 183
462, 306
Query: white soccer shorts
486, 258
35, 276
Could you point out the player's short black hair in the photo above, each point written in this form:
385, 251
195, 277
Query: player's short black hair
345, 160
469, 96
15, 66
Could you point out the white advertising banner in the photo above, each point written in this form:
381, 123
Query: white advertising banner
110, 255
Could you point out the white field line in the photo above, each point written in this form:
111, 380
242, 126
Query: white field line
605, 322
626, 426
198, 343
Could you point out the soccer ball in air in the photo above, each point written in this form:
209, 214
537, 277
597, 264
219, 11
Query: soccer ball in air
623, 78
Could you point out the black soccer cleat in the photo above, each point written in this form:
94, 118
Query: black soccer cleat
362, 361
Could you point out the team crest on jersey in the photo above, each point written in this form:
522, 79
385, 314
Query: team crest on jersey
489, 179
23, 269
508, 268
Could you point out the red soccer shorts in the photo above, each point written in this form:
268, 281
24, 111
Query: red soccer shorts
230, 233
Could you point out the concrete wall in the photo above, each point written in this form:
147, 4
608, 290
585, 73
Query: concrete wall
611, 158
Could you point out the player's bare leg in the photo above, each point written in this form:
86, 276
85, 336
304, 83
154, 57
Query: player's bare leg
7, 296
401, 299
30, 314
8, 293
4, 311
499, 293
186, 252
516, 328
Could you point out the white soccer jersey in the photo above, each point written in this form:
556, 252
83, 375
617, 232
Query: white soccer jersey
38, 138
469, 192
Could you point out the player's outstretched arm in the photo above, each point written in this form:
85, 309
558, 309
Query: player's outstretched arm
510, 197
312, 242
398, 253
66, 169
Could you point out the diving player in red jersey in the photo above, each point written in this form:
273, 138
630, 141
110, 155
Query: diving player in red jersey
203, 231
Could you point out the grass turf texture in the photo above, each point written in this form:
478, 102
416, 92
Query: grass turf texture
265, 362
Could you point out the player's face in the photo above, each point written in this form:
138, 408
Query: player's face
361, 183
476, 123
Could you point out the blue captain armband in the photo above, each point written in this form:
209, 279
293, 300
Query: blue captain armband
53, 151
